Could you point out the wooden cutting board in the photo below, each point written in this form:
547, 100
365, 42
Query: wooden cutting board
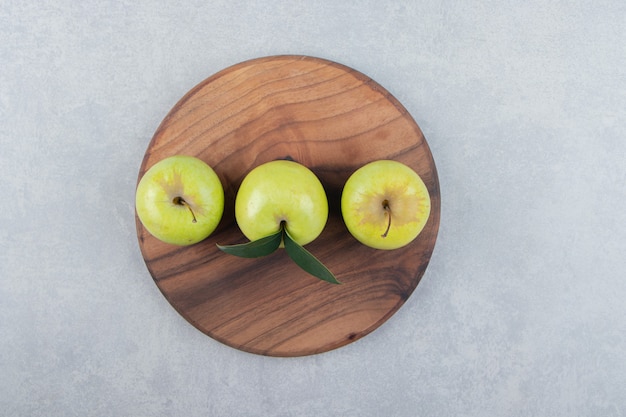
333, 120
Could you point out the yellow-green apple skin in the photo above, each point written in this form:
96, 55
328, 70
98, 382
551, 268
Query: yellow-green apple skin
278, 191
180, 200
385, 204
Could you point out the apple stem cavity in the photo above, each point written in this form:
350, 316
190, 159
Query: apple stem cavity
388, 214
181, 202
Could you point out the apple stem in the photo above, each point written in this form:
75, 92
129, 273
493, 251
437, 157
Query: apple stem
388, 213
181, 202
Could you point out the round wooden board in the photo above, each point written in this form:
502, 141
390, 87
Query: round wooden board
333, 120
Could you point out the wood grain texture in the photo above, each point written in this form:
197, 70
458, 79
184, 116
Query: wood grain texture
333, 120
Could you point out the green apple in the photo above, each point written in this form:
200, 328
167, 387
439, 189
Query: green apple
277, 193
385, 204
281, 204
180, 200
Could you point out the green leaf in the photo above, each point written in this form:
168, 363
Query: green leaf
305, 260
256, 248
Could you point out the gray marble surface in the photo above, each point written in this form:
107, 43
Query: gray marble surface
521, 311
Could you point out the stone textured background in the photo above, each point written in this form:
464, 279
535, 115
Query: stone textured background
521, 312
